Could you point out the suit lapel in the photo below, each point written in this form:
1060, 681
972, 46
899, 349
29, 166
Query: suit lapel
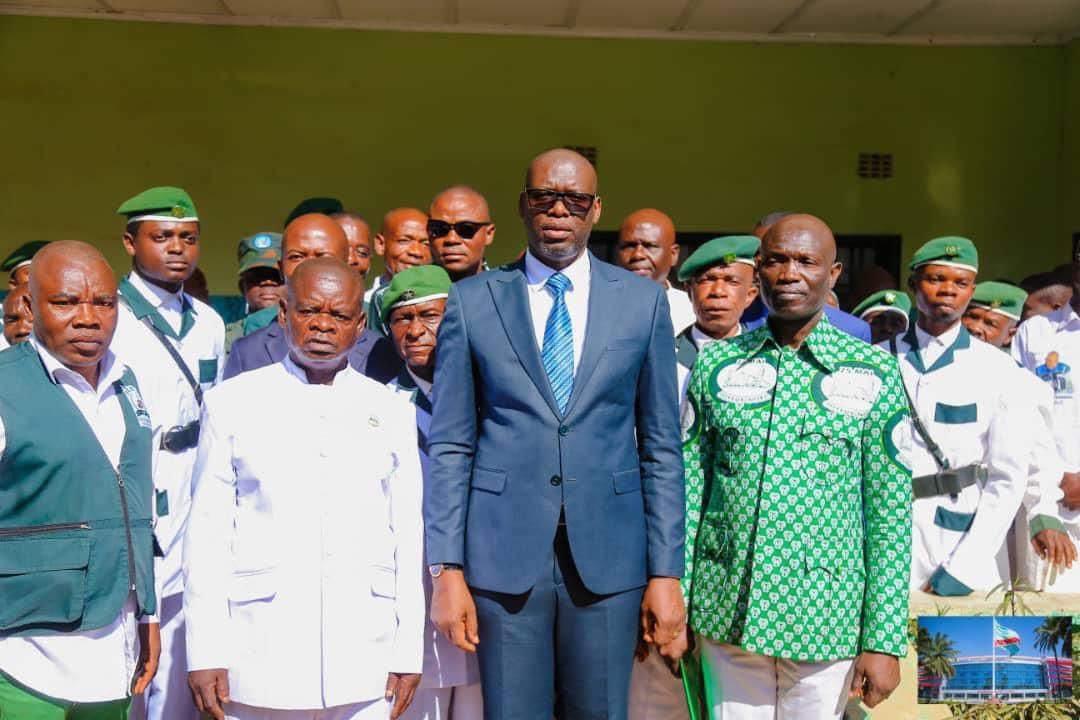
603, 296
510, 294
273, 336
685, 350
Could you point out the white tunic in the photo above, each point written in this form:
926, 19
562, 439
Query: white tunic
445, 664
977, 416
96, 665
303, 554
171, 402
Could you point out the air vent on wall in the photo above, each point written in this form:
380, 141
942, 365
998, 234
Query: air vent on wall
875, 166
589, 151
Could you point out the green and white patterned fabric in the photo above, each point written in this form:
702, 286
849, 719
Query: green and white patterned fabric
798, 498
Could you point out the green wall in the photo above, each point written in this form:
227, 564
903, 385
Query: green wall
1070, 164
249, 120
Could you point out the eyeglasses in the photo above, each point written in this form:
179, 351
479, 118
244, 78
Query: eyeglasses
542, 200
465, 229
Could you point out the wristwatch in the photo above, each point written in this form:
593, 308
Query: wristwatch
438, 569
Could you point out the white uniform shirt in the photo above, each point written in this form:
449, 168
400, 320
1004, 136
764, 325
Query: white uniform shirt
1037, 339
577, 299
682, 310
445, 664
977, 416
303, 553
171, 403
96, 665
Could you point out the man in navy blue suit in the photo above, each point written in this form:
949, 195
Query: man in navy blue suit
305, 237
555, 519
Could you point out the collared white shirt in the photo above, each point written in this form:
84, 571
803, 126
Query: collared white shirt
303, 555
682, 310
171, 403
96, 665
932, 347
541, 300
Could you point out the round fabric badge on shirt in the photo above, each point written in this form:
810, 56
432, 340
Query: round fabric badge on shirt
745, 383
851, 389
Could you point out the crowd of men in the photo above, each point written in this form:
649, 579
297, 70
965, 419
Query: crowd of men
552, 488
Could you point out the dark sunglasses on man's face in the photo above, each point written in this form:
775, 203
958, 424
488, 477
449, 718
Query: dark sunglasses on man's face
542, 200
466, 229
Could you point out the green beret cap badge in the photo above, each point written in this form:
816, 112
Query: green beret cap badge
729, 258
995, 304
407, 295
890, 298
177, 211
952, 250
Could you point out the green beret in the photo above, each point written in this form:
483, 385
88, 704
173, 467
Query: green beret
160, 203
415, 285
259, 250
953, 251
1000, 297
22, 255
322, 205
895, 301
720, 251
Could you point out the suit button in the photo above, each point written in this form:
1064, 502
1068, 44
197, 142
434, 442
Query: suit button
556, 481
564, 431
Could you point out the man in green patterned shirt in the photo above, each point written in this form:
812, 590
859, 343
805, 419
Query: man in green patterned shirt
799, 501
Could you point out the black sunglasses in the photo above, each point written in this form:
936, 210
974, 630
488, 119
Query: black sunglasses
465, 229
542, 200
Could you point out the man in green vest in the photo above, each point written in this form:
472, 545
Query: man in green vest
798, 501
76, 545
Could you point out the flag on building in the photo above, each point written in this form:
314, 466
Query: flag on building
1006, 638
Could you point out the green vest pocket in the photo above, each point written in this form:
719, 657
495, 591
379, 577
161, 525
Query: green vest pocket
42, 581
956, 414
208, 370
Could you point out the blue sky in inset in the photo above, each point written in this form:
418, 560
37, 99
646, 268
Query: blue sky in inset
973, 635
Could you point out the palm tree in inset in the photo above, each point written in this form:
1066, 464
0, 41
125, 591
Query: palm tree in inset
1054, 633
936, 654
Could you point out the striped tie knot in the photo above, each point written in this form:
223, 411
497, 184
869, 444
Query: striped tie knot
557, 284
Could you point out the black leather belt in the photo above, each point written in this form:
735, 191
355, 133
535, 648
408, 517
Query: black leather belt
181, 437
947, 482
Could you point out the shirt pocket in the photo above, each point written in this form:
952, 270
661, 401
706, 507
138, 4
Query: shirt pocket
828, 449
208, 370
956, 414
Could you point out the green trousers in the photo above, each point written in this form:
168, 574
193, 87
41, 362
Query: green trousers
19, 703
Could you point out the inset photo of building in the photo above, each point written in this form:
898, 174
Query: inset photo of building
983, 659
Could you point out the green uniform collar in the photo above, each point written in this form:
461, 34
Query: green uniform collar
962, 342
142, 308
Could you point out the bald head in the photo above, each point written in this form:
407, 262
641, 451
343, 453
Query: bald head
646, 244
460, 229
559, 206
73, 300
797, 267
358, 235
403, 241
311, 236
460, 200
323, 317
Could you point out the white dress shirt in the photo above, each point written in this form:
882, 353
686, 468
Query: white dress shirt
303, 553
171, 403
96, 665
577, 299
931, 347
682, 310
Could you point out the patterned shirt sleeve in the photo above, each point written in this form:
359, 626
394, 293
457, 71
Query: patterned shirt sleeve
887, 502
696, 461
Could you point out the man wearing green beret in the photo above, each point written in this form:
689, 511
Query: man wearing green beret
17, 264
992, 317
887, 313
413, 306
798, 501
260, 283
973, 432
175, 344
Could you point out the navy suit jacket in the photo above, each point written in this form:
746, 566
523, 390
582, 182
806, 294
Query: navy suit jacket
504, 462
373, 355
757, 313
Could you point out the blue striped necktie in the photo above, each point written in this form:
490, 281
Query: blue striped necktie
558, 352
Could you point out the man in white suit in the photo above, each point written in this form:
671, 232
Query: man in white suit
303, 566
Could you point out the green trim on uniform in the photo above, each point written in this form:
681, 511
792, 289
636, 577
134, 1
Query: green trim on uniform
962, 342
944, 584
141, 307
1045, 522
18, 702
952, 520
956, 414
